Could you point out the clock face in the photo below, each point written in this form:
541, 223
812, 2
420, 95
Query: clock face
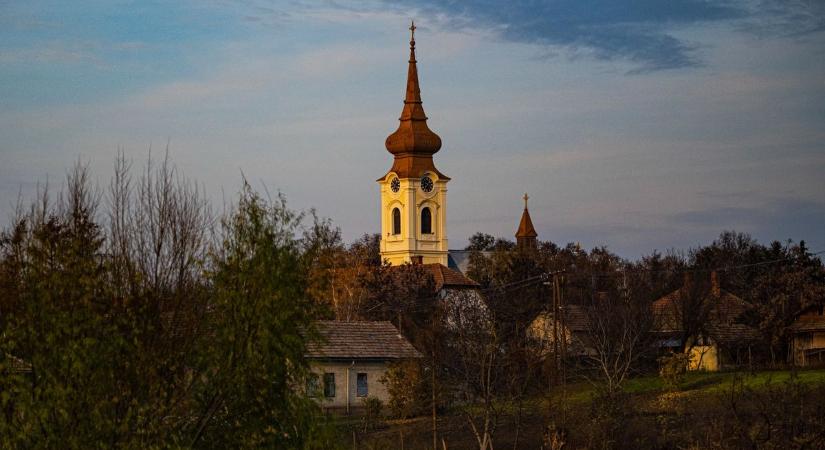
426, 184
395, 184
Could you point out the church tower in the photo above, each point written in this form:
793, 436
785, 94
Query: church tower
526, 235
413, 192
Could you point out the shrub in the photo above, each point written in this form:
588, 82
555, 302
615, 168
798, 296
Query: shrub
373, 408
407, 388
672, 369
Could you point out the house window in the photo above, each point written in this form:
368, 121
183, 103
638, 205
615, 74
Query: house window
329, 385
361, 388
313, 385
396, 221
426, 221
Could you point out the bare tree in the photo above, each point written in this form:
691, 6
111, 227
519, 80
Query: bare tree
618, 336
473, 360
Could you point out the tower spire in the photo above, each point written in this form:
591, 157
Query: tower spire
412, 101
413, 143
526, 234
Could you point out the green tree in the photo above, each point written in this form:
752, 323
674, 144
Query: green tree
783, 291
133, 335
261, 316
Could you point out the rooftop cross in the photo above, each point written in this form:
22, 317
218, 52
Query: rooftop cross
412, 31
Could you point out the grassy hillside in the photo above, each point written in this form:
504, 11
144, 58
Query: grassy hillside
767, 409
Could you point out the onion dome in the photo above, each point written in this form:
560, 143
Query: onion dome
413, 143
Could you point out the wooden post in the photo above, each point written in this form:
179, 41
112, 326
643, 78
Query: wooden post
435, 418
564, 332
555, 330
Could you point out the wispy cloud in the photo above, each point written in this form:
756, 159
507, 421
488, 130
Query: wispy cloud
786, 18
641, 31
53, 52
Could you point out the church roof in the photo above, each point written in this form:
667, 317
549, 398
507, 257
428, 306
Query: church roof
446, 277
413, 143
525, 227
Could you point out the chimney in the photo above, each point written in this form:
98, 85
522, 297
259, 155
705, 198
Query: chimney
714, 284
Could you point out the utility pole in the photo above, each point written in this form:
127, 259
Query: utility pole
558, 319
556, 308
562, 313
435, 418
555, 327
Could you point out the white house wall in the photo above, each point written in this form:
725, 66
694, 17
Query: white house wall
375, 388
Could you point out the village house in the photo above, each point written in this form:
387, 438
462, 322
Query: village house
349, 362
573, 325
808, 337
724, 341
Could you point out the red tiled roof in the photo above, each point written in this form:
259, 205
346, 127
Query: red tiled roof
449, 278
360, 340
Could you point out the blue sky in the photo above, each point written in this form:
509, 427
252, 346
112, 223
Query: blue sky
636, 124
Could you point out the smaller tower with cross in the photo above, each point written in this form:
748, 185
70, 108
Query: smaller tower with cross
526, 236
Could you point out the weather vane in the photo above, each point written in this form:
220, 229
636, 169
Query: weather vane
412, 30
526, 197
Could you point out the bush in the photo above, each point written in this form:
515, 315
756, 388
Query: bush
672, 369
407, 388
373, 409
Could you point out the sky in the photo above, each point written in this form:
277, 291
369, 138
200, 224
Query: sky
640, 125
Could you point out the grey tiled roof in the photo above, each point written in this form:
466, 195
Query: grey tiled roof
18, 365
724, 308
808, 323
576, 318
733, 334
360, 340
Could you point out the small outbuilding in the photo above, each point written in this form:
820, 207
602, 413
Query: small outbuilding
573, 332
351, 360
808, 337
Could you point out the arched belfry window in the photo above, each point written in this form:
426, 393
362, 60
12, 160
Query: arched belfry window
396, 221
426, 221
